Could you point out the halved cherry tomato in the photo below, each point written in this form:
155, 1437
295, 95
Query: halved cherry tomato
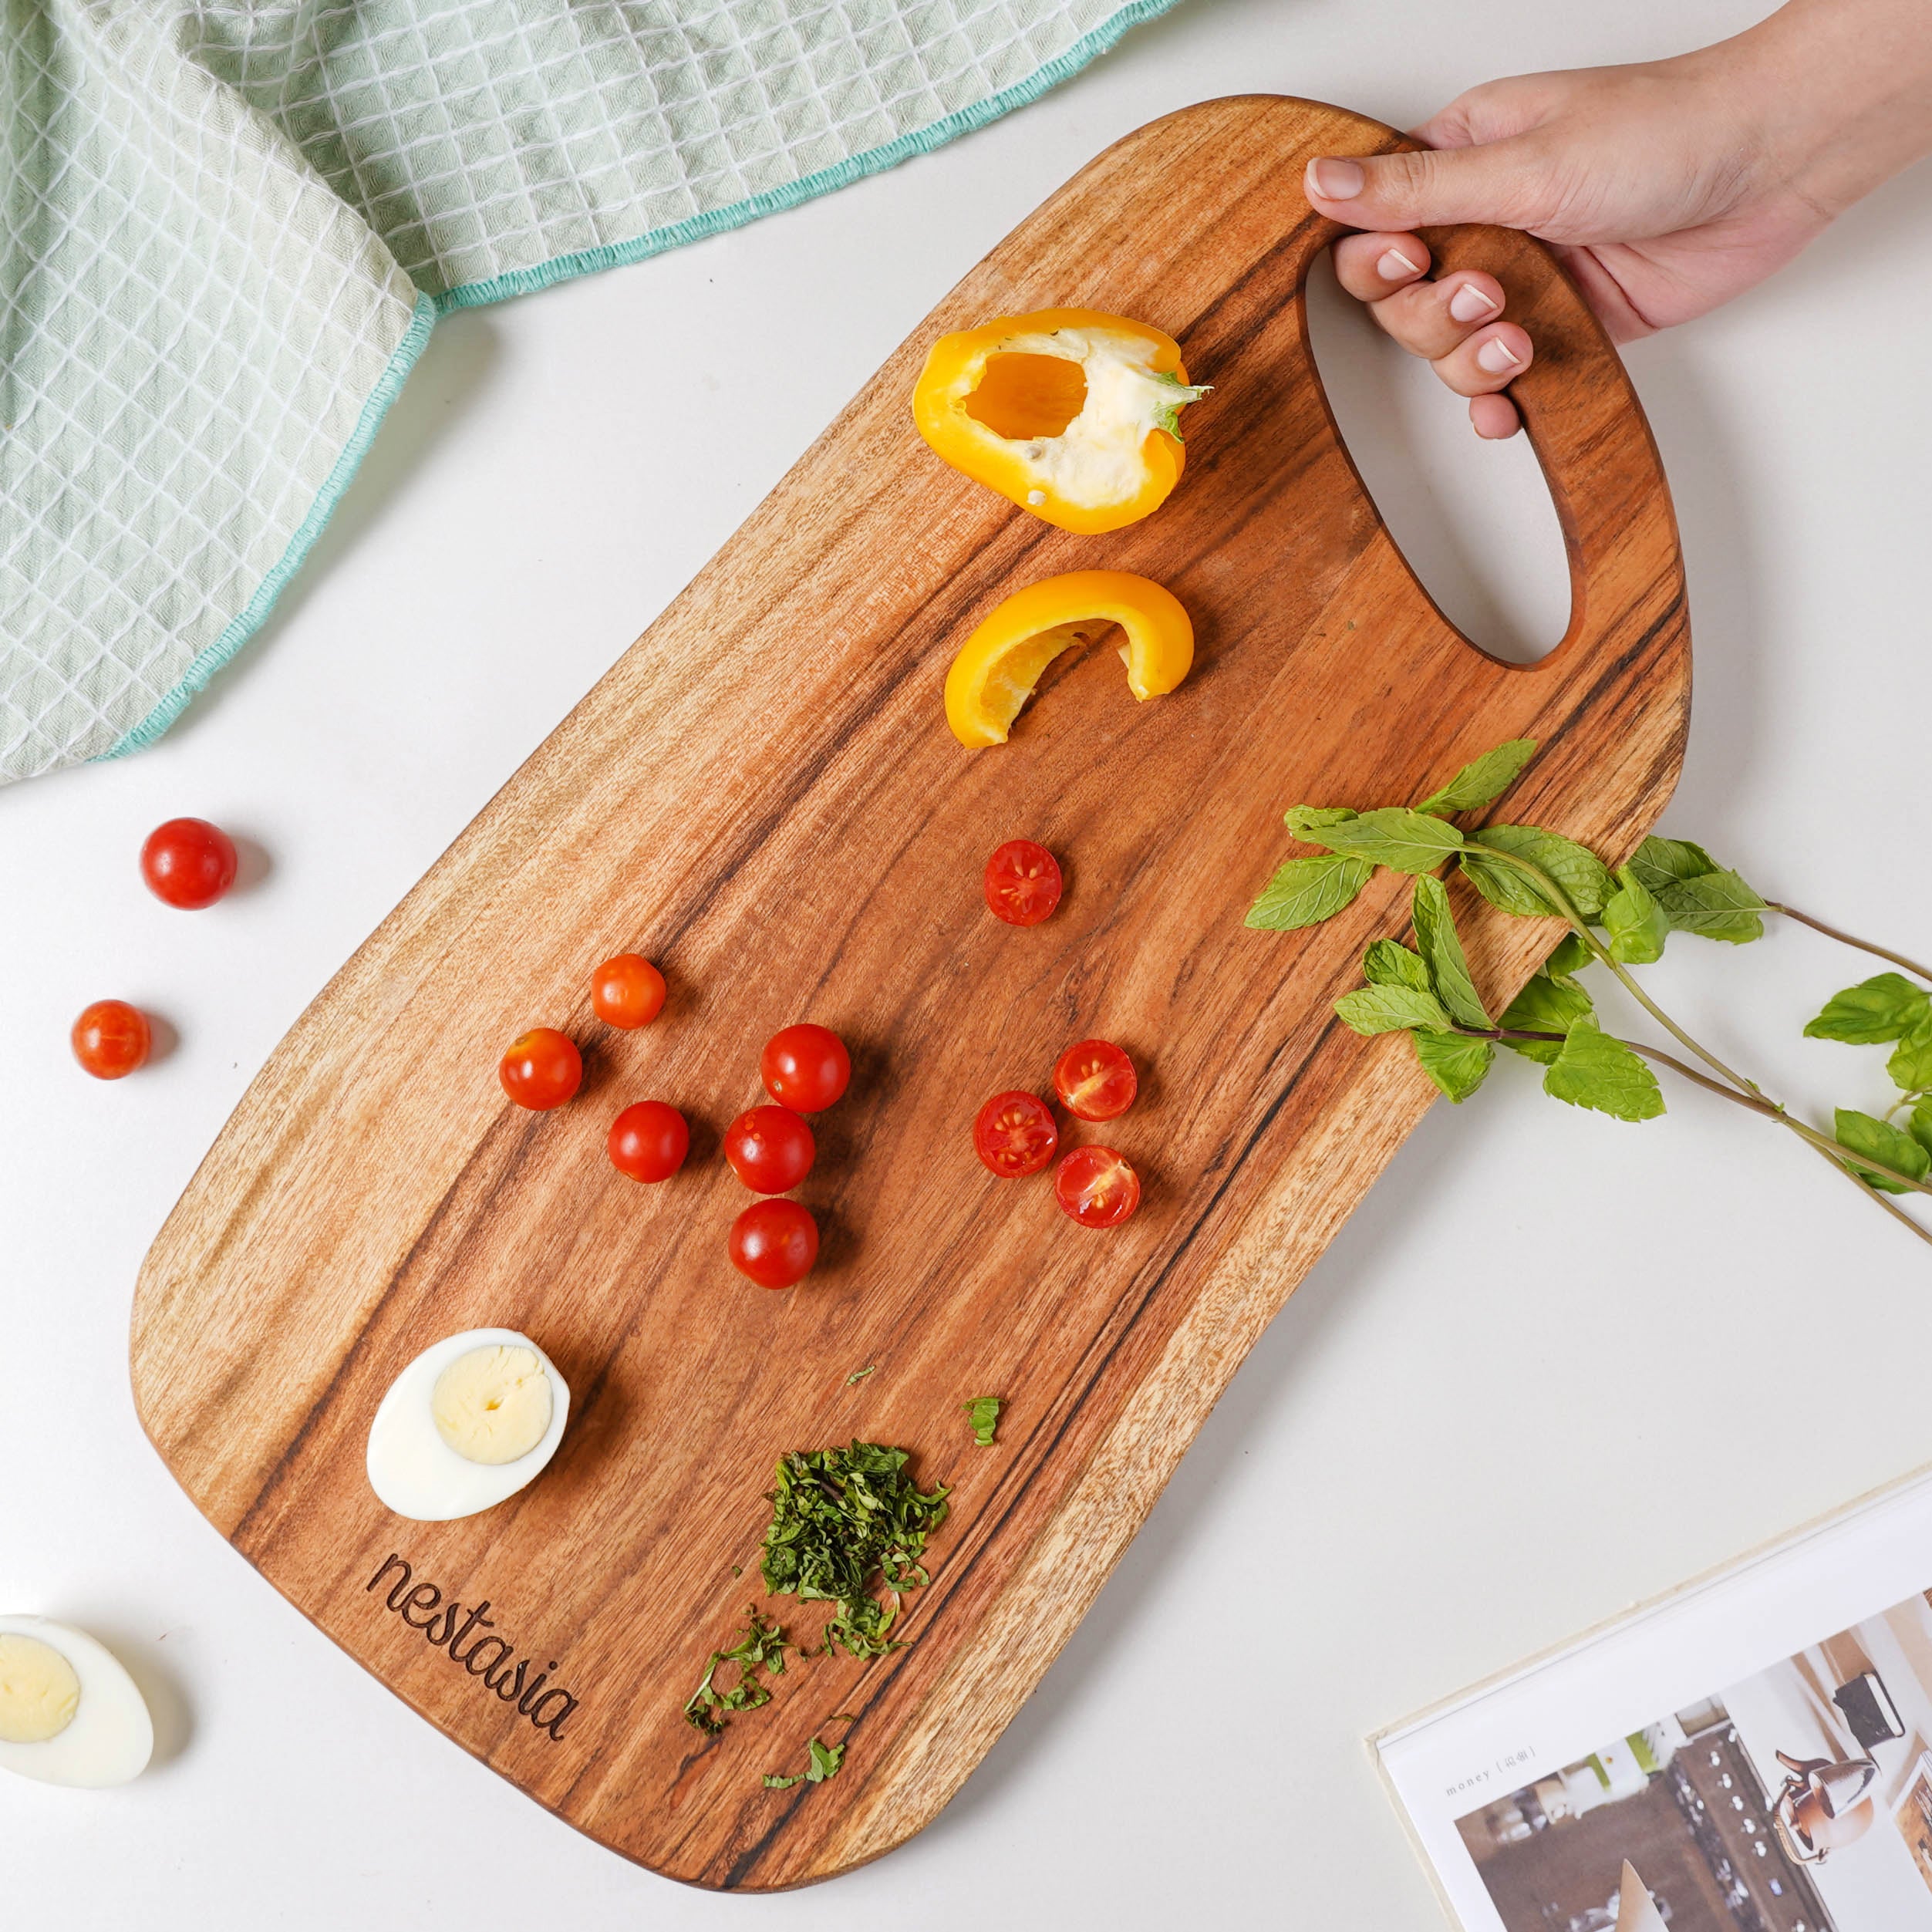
1023, 882
188, 863
769, 1148
775, 1242
1095, 1080
111, 1039
805, 1067
1097, 1187
542, 1069
1015, 1134
649, 1142
627, 991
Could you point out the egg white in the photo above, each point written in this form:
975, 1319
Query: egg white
112, 1736
415, 1473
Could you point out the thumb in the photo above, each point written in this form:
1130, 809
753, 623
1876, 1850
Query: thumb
1507, 182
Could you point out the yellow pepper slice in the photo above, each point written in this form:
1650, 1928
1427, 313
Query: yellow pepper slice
1068, 413
999, 665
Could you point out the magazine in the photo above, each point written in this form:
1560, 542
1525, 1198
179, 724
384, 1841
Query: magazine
1752, 1753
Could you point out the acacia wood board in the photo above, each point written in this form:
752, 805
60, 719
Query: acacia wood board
763, 796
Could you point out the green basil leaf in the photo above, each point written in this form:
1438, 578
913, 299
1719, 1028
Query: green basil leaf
1306, 890
1305, 820
1373, 1010
1863, 1134
1388, 963
1664, 861
1910, 1065
1634, 922
1457, 1065
1922, 1123
1482, 780
1435, 935
1596, 1071
1545, 1005
1713, 906
1570, 956
1394, 836
1886, 1006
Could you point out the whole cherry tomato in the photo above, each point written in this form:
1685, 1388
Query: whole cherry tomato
649, 1142
1097, 1187
1095, 1080
1023, 882
1015, 1134
627, 991
188, 862
111, 1039
542, 1069
769, 1148
775, 1242
805, 1067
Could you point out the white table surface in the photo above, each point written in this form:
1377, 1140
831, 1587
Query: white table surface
1554, 1364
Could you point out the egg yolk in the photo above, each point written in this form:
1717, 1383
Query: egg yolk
39, 1691
493, 1404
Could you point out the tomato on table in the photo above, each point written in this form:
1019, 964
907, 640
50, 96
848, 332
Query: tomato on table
111, 1039
188, 863
1097, 1186
805, 1067
542, 1069
774, 1243
1023, 882
1095, 1080
770, 1149
1015, 1134
649, 1141
627, 991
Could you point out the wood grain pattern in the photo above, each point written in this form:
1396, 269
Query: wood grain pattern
763, 796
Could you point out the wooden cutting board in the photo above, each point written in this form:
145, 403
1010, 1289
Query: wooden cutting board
764, 797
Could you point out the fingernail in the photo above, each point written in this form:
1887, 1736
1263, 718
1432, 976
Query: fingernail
1394, 265
1335, 181
1470, 303
1496, 356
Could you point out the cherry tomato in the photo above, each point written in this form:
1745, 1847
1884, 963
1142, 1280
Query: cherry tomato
769, 1148
1015, 1134
775, 1242
188, 862
1095, 1080
541, 1070
111, 1039
805, 1067
1023, 882
1097, 1187
627, 992
649, 1142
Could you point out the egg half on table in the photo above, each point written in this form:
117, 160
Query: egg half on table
69, 1713
467, 1424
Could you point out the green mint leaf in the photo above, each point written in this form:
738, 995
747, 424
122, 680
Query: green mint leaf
1863, 1134
1503, 885
1435, 934
1910, 1065
1305, 820
1713, 906
1456, 1065
1373, 1010
859, 1374
1394, 836
1666, 861
1482, 780
1389, 964
1634, 922
1579, 873
1922, 1123
763, 1646
774, 1783
1545, 1005
1570, 956
1886, 1006
825, 1760
983, 1412
1306, 890
1596, 1071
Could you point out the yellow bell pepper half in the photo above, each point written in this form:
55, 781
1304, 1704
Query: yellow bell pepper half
1068, 413
999, 665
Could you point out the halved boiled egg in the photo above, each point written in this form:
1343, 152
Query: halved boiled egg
69, 1713
468, 1422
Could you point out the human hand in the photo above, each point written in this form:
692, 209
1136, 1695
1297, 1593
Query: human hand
1667, 187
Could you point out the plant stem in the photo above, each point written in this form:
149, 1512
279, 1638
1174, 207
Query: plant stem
1847, 939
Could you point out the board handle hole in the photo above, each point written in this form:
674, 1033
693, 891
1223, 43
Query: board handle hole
1474, 520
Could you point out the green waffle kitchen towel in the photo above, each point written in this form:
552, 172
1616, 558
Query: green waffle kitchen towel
226, 228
